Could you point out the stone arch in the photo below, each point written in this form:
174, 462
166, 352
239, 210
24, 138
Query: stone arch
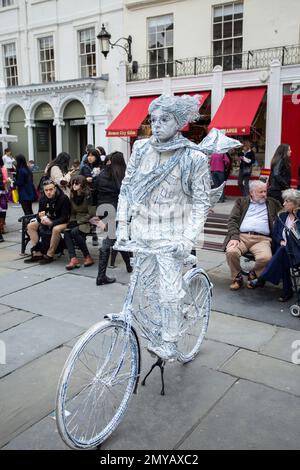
16, 119
67, 101
75, 129
9, 108
36, 104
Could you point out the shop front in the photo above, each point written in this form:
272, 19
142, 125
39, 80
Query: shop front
133, 121
242, 115
291, 127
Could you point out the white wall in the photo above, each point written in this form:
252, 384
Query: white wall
267, 23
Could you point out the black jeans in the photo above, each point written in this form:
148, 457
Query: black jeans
243, 182
27, 207
75, 236
218, 179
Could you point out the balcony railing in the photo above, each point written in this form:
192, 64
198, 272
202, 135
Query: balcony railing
255, 59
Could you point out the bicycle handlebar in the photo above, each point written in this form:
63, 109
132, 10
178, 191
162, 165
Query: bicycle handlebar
134, 248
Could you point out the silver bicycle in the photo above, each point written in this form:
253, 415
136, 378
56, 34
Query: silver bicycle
103, 370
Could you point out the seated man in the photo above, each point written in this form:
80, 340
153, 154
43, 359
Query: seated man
249, 229
54, 212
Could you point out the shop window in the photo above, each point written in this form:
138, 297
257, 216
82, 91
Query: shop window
160, 46
6, 3
47, 65
228, 35
10, 64
87, 53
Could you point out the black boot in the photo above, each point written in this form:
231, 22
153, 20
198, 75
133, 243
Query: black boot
126, 258
1, 230
103, 262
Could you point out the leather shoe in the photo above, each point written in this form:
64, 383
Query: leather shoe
33, 259
46, 260
285, 297
236, 284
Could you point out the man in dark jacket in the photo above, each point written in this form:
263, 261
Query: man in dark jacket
53, 215
250, 228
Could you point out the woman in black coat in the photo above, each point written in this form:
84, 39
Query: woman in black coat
107, 189
24, 183
91, 168
280, 177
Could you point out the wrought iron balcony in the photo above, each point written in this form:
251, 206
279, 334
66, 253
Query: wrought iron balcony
255, 59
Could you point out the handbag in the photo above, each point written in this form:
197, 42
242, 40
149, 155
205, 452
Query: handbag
15, 195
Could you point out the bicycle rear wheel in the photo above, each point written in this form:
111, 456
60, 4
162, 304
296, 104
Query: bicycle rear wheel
96, 384
196, 313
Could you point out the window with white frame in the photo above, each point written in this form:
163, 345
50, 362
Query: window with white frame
160, 46
6, 3
228, 35
87, 53
10, 64
47, 65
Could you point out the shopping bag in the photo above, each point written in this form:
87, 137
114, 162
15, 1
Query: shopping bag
15, 195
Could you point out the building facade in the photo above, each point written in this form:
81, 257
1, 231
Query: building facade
57, 92
242, 56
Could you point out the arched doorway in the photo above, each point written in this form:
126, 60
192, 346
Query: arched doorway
75, 130
44, 135
16, 127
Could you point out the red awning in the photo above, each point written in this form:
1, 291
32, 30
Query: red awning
237, 110
130, 118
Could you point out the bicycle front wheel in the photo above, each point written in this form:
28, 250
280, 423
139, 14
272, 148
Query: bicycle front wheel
196, 313
96, 384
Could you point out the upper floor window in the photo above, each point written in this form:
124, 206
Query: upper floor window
47, 65
6, 3
10, 64
87, 47
228, 35
160, 45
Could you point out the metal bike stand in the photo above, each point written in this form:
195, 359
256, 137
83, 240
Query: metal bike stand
161, 364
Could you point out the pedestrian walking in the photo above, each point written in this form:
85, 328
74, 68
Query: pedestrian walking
280, 177
24, 184
247, 160
3, 197
219, 163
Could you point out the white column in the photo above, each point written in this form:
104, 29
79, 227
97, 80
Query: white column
100, 134
59, 123
217, 93
274, 112
29, 124
90, 130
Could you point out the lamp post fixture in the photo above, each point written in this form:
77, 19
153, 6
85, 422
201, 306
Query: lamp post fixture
104, 38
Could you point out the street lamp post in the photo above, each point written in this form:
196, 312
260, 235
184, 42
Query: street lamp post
104, 38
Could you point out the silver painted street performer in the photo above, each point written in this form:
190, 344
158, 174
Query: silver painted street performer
163, 204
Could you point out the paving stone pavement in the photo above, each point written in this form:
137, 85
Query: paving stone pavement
242, 391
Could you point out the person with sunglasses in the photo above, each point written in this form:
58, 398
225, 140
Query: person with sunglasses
78, 227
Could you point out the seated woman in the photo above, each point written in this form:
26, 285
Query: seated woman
82, 211
278, 267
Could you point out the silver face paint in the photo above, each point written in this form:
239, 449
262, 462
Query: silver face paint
164, 125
